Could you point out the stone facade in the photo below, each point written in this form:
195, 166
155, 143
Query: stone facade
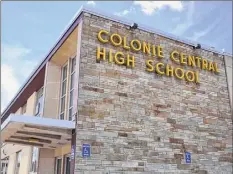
140, 122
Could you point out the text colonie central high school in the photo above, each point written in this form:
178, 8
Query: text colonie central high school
151, 51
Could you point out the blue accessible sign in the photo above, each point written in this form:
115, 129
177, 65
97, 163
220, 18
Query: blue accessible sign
188, 157
86, 152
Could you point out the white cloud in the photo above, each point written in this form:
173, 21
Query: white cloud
181, 28
10, 53
15, 69
197, 35
149, 7
91, 3
9, 85
124, 12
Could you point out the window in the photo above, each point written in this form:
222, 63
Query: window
18, 159
24, 108
67, 90
58, 166
67, 164
63, 92
4, 165
71, 88
35, 156
39, 99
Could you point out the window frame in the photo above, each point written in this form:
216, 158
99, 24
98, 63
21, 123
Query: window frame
35, 151
65, 160
65, 93
39, 96
58, 158
18, 159
71, 88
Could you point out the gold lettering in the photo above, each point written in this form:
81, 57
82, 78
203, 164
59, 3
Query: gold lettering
125, 44
169, 70
119, 60
99, 54
146, 48
100, 36
118, 37
157, 68
198, 59
160, 51
139, 46
110, 59
183, 59
130, 61
149, 66
191, 61
197, 77
153, 50
204, 64
172, 56
211, 66
179, 75
188, 74
216, 67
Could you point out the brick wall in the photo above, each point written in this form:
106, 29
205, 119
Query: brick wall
139, 122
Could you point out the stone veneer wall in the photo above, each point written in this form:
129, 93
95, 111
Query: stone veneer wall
137, 122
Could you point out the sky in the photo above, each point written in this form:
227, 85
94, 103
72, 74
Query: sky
30, 29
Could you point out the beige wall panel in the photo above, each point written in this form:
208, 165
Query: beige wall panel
31, 104
63, 150
25, 162
46, 161
52, 89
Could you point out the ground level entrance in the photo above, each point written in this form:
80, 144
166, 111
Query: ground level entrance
34, 144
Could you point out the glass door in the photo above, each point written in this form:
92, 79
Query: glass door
58, 165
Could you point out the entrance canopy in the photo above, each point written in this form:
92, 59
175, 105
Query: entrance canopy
36, 131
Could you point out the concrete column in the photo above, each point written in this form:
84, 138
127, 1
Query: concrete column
11, 164
46, 161
25, 163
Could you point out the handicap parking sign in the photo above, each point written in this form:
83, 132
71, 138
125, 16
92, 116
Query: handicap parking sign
188, 157
86, 151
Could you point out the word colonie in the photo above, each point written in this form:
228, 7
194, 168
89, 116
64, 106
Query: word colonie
151, 50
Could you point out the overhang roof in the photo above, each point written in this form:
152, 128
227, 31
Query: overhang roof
36, 131
71, 26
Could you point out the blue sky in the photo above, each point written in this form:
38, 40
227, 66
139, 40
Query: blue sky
30, 29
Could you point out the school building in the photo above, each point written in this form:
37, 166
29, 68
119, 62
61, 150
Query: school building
116, 97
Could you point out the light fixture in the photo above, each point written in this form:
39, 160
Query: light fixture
33, 140
197, 47
133, 26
